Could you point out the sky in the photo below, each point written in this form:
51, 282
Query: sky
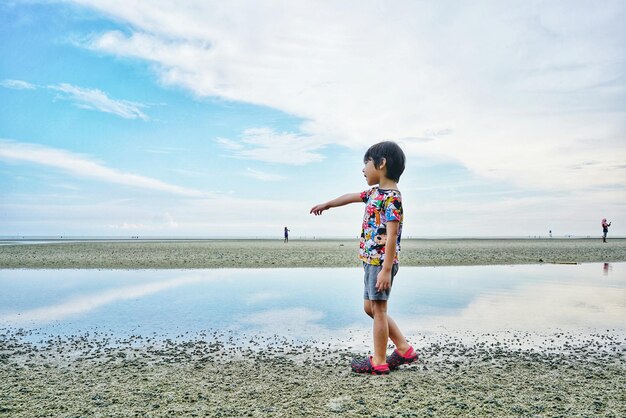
232, 119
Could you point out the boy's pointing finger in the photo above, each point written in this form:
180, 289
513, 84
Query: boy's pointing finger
316, 211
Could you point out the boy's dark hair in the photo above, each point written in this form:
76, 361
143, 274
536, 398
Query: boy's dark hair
392, 153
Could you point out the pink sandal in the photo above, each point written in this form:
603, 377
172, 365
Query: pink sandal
364, 365
396, 359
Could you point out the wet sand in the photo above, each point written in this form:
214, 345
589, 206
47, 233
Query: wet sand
205, 376
313, 253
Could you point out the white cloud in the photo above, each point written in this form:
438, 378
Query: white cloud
263, 144
85, 98
86, 303
161, 223
219, 216
126, 226
573, 213
260, 175
229, 144
17, 84
536, 307
524, 94
85, 167
170, 222
264, 297
292, 319
98, 100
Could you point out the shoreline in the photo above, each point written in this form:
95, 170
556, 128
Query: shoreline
203, 254
87, 375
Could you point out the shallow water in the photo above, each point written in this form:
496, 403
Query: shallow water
546, 300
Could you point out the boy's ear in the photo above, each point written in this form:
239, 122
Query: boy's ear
383, 163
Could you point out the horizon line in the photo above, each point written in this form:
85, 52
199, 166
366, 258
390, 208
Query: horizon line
273, 237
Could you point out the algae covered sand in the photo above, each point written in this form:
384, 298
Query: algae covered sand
87, 375
311, 253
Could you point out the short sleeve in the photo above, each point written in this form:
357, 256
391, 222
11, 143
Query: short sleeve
393, 208
365, 195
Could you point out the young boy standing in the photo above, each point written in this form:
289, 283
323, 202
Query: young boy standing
379, 246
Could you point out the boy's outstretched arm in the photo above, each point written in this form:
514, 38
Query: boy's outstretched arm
340, 201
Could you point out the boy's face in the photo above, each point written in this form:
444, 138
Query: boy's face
373, 174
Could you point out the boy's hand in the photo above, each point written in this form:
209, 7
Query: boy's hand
383, 280
318, 209
340, 201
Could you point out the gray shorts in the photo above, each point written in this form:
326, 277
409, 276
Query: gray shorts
370, 278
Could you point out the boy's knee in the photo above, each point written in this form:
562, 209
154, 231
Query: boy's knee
367, 307
378, 306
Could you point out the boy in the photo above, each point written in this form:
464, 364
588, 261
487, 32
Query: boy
379, 247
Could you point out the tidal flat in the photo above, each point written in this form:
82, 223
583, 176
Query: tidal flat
88, 376
518, 334
301, 253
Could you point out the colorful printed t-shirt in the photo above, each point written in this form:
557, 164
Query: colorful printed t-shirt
381, 207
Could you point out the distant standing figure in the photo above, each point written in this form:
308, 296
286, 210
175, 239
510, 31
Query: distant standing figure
550, 233
286, 235
605, 229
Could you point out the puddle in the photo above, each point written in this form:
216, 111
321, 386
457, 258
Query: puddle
530, 304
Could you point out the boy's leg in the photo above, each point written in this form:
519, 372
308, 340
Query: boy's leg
381, 331
395, 334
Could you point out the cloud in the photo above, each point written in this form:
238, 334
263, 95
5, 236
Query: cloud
160, 222
264, 297
229, 144
553, 306
86, 303
85, 98
260, 175
522, 94
292, 319
95, 99
263, 144
17, 84
85, 167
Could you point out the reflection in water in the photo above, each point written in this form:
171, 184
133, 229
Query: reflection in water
83, 304
297, 302
537, 308
278, 320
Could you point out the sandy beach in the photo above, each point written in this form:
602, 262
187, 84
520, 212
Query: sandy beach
95, 376
311, 253
217, 375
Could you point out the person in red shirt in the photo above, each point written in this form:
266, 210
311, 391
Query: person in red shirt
605, 229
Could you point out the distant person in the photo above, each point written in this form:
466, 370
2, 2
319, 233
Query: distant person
550, 233
380, 243
286, 235
605, 229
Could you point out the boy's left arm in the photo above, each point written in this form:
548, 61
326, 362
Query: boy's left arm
383, 281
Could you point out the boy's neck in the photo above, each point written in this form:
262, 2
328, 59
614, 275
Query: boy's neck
386, 183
